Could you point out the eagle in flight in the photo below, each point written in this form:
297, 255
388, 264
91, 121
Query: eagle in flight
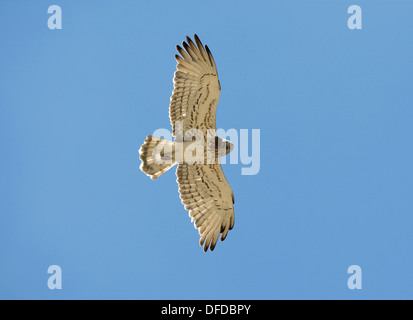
203, 188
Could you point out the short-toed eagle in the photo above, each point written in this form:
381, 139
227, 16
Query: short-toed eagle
203, 188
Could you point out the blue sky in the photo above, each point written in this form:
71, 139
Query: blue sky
335, 111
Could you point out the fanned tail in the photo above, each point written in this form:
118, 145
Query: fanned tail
157, 156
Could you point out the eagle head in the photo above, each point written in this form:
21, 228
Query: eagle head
228, 146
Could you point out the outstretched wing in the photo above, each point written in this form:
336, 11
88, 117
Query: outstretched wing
207, 195
196, 88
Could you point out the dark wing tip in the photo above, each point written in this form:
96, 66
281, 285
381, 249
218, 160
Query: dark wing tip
189, 40
198, 41
185, 45
180, 50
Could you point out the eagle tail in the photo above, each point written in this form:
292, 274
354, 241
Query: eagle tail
157, 156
